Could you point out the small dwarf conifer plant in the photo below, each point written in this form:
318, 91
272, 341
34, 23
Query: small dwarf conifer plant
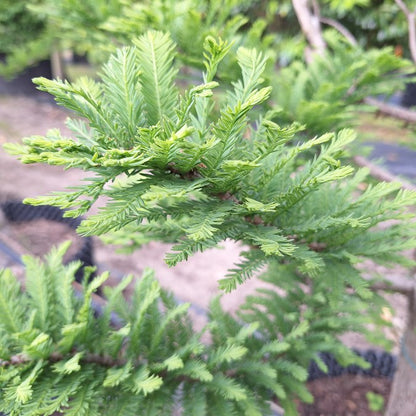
194, 168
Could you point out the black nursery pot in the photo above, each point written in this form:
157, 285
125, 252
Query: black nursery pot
17, 212
383, 364
22, 84
409, 95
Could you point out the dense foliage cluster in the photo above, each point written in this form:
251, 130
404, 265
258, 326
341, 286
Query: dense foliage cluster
142, 357
326, 93
21, 48
194, 168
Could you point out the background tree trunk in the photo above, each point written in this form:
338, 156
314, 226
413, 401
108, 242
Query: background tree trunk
403, 394
310, 25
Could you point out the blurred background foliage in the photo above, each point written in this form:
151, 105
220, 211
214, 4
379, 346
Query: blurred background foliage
323, 95
97, 27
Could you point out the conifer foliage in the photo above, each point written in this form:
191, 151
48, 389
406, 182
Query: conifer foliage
326, 93
194, 168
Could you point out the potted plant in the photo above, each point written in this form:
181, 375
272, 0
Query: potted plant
195, 168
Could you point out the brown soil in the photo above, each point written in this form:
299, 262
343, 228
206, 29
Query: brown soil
39, 236
345, 396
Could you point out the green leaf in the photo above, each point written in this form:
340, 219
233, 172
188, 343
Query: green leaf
246, 332
12, 304
253, 262
295, 370
115, 376
69, 366
256, 206
145, 383
40, 347
40, 290
155, 54
299, 331
197, 370
227, 353
174, 362
70, 333
122, 90
275, 347
272, 243
24, 391
170, 317
146, 293
228, 388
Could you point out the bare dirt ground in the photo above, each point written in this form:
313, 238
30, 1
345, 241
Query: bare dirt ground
194, 281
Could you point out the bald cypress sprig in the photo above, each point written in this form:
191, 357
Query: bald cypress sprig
195, 168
